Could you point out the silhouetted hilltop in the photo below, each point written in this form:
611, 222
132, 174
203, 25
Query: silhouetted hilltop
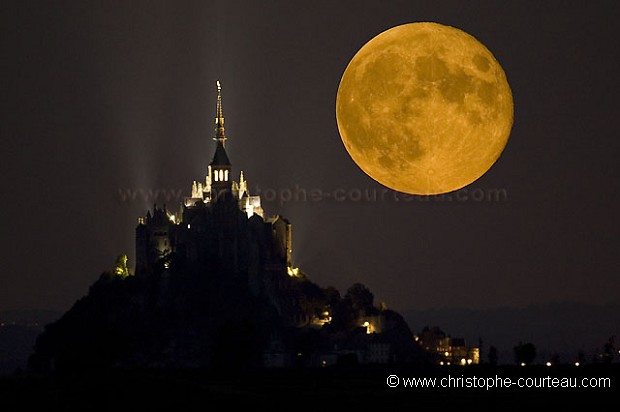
176, 319
214, 286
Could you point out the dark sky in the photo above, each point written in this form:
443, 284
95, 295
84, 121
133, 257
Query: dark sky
102, 96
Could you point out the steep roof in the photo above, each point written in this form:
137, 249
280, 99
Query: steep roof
220, 158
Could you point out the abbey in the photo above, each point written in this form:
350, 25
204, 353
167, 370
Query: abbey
220, 230
214, 285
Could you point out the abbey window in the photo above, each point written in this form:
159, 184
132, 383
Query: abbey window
220, 175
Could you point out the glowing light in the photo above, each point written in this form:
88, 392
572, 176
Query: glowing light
120, 267
522, 363
325, 318
469, 361
189, 226
167, 265
446, 353
441, 363
294, 272
321, 321
368, 326
577, 364
463, 361
323, 363
548, 363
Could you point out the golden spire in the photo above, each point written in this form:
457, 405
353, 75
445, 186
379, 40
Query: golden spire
219, 119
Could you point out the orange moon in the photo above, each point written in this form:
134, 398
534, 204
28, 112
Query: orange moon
424, 109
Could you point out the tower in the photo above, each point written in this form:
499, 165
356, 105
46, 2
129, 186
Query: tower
220, 167
212, 229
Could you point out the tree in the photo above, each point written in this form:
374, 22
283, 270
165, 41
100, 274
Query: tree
332, 295
608, 350
581, 357
343, 315
361, 299
312, 300
525, 353
493, 355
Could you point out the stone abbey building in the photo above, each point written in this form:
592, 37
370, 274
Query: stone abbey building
220, 229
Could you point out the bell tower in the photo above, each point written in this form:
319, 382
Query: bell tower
220, 167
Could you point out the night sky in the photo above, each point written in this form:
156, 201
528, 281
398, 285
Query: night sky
102, 96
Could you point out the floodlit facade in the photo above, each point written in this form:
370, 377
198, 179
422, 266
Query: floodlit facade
216, 226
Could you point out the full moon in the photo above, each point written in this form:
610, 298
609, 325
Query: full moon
424, 109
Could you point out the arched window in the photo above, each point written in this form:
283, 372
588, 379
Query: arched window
215, 175
221, 175
226, 175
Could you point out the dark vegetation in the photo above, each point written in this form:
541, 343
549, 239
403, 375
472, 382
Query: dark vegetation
178, 320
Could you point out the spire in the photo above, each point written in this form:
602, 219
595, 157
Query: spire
220, 136
220, 158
